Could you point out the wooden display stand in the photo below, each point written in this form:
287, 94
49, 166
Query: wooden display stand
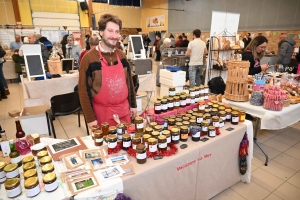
237, 81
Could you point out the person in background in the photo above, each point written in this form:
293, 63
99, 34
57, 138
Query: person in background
285, 50
196, 50
87, 42
173, 41
185, 42
93, 42
120, 44
46, 42
146, 41
247, 39
179, 41
166, 44
241, 42
2, 78
63, 43
254, 52
2, 92
38, 36
73, 51
19, 60
105, 81
157, 45
16, 44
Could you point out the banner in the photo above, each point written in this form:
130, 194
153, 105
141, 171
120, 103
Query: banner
292, 35
155, 21
275, 33
77, 37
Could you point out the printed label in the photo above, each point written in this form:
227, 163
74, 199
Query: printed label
112, 145
165, 106
2, 174
2, 180
235, 119
212, 133
131, 135
34, 191
15, 160
14, 192
204, 128
99, 140
120, 136
139, 126
192, 94
51, 186
182, 102
184, 136
141, 155
196, 99
205, 90
201, 91
170, 105
223, 118
201, 107
152, 148
172, 93
216, 124
13, 173
222, 124
176, 103
119, 130
162, 145
134, 146
228, 116
192, 101
157, 107
197, 134
175, 137
202, 98
206, 97
168, 139
188, 101
127, 144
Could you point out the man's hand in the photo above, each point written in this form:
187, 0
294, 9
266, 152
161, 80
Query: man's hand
132, 113
91, 124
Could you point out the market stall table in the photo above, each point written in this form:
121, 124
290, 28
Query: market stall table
9, 70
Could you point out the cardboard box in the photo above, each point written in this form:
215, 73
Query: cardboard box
14, 113
33, 119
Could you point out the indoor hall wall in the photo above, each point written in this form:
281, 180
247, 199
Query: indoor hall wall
254, 14
149, 9
7, 12
130, 16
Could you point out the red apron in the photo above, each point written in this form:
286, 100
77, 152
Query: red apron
113, 95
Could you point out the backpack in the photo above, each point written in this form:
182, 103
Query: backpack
217, 85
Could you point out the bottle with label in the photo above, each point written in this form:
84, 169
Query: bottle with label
141, 155
2, 134
15, 156
20, 133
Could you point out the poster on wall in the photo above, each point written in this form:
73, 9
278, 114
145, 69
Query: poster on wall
77, 37
155, 21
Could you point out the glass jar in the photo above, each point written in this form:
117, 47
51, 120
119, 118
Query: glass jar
45, 160
145, 139
98, 137
172, 91
162, 143
176, 102
135, 141
48, 168
112, 142
13, 188
126, 142
50, 182
188, 100
171, 123
186, 123
193, 100
139, 124
184, 133
234, 118
40, 155
164, 105
196, 132
12, 171
32, 187
94, 128
199, 118
205, 125
168, 136
152, 124
222, 115
170, 103
158, 128
112, 130
30, 173
28, 166
221, 108
152, 143
193, 122
141, 154
182, 101
104, 128
27, 159
120, 131
155, 134
192, 92
215, 121
210, 105
211, 131
228, 115
221, 123
214, 112
207, 117
175, 136
165, 126
2, 172
157, 107
178, 124
148, 130
242, 115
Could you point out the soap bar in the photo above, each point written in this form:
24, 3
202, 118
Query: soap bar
183, 146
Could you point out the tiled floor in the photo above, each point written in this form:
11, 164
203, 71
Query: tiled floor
279, 180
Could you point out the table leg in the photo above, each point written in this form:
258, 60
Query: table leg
256, 142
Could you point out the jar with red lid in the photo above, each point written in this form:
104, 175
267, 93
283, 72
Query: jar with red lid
131, 130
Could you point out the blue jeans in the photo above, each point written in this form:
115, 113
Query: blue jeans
194, 75
2, 78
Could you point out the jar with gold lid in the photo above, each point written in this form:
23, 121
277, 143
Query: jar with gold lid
155, 134
27, 159
178, 124
48, 168
157, 107
41, 154
210, 105
94, 127
32, 187
126, 142
50, 182
158, 128
139, 124
104, 128
221, 108
214, 112
193, 117
98, 137
207, 111
2, 172
188, 99
228, 115
235, 109
170, 103
222, 115
207, 117
175, 135
164, 105
211, 131
120, 131
162, 143
193, 122
159, 98
152, 124
112, 130
184, 133
172, 117
171, 123
193, 101
172, 91
28, 166
182, 101
192, 92
197, 97
135, 141
148, 130
13, 187
186, 123
195, 110
141, 154
12, 171
111, 141
152, 143
165, 126
176, 102
215, 121
204, 127
168, 136
177, 94
185, 119
234, 118
145, 139
199, 118
45, 160
30, 173
242, 115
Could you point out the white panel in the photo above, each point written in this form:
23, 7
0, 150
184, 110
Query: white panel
55, 15
55, 22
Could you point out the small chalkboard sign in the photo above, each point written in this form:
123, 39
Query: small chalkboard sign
137, 45
35, 65
67, 64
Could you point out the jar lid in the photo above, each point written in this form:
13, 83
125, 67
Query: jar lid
206, 86
185, 118
10, 167
30, 173
184, 127
105, 124
211, 127
157, 102
200, 114
111, 137
42, 153
146, 136
207, 115
235, 108
176, 97
155, 133
171, 120
153, 124
152, 140
191, 89
28, 165
157, 127
215, 106
207, 110
136, 137
148, 129
178, 124
210, 103
2, 165
228, 110
112, 128
201, 87
186, 123
165, 97
138, 118
221, 108
166, 132
45, 159
159, 98
125, 136
49, 177
140, 147
215, 102
27, 159
215, 117
98, 132
164, 100
192, 121
235, 113
48, 167
222, 112
162, 137
120, 125
31, 182
12, 182
174, 130
170, 98
214, 110
193, 117
95, 127
242, 111
182, 96
220, 103
205, 122
171, 87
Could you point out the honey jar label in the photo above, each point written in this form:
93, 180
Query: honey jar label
204, 128
216, 124
127, 144
223, 118
152, 148
51, 186
184, 136
157, 107
13, 173
235, 119
112, 145
141, 155
182, 102
139, 126
134, 146
16, 160
199, 120
202, 107
14, 192
165, 106
172, 93
99, 140
176, 103
197, 134
170, 105
212, 133
175, 137
168, 139
192, 100
205, 90
162, 145
228, 116
33, 192
188, 101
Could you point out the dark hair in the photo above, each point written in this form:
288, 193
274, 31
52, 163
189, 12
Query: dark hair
171, 35
180, 36
108, 18
94, 40
158, 36
87, 35
249, 34
16, 50
64, 40
197, 33
184, 36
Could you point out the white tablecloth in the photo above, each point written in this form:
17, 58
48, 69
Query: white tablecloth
271, 120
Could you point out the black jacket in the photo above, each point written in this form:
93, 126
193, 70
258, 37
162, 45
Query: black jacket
247, 55
2, 52
184, 43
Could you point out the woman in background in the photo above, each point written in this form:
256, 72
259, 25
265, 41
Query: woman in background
19, 60
63, 43
2, 78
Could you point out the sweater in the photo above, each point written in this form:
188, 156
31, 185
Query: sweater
247, 55
90, 79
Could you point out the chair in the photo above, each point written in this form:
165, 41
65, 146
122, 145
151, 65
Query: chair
61, 105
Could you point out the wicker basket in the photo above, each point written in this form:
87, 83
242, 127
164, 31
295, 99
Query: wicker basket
286, 103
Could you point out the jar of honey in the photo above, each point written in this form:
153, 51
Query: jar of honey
184, 133
205, 125
168, 136
165, 126
155, 134
120, 131
175, 136
104, 128
207, 117
152, 143
192, 92
188, 100
32, 187
182, 101
157, 107
221, 108
98, 138
13, 187
94, 127
162, 143
235, 109
176, 102
193, 100
12, 171
158, 128
214, 112
234, 118
172, 91
196, 132
199, 118
186, 123
112, 141
135, 141
50, 182
228, 115
178, 124
139, 124
145, 139
242, 115
40, 155
141, 154
210, 105
222, 115
126, 141
164, 105
215, 121
170, 103
112, 130
211, 131
221, 123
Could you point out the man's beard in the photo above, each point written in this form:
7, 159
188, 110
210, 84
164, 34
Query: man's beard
106, 42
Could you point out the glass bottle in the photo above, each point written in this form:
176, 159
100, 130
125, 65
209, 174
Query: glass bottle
20, 133
242, 115
2, 134
14, 155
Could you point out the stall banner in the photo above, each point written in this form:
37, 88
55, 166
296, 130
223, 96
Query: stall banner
275, 33
292, 35
155, 21
77, 37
